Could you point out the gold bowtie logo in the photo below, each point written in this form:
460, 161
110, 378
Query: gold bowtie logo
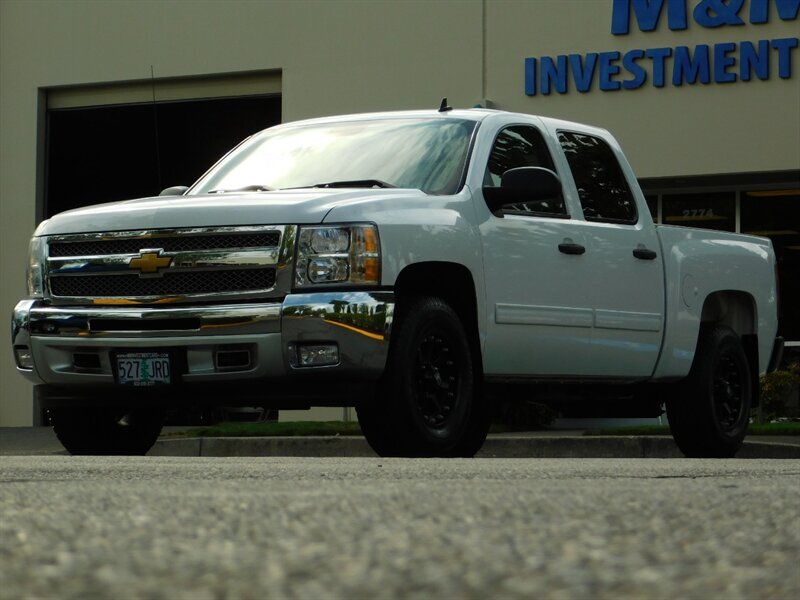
150, 262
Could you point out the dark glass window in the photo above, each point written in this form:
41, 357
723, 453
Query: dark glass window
709, 211
522, 146
776, 215
602, 188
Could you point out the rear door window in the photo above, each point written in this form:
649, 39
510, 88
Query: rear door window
603, 191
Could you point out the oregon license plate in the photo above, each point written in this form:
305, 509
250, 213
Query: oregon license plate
143, 369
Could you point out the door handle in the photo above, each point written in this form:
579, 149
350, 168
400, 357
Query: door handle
571, 248
645, 254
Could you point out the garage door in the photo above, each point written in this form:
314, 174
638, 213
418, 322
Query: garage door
114, 142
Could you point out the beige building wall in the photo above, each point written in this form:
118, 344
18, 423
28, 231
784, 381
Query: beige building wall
344, 56
688, 130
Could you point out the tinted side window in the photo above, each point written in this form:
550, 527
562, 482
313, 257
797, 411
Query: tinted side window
602, 188
522, 146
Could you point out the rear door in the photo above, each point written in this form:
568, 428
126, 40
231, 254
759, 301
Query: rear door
625, 269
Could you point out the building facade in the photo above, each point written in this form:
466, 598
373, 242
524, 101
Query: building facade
102, 101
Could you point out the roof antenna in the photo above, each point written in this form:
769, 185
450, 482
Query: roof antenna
444, 107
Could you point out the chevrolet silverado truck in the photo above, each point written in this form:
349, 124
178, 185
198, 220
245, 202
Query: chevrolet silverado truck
424, 267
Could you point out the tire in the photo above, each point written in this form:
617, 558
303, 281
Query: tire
428, 403
107, 431
709, 417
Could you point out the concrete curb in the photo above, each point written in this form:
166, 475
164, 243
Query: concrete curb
264, 446
495, 447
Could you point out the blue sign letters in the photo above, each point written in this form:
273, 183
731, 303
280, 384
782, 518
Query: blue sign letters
706, 13
725, 62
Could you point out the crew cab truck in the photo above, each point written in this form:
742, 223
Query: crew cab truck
421, 266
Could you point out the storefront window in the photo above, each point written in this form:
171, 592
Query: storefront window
652, 204
776, 215
709, 211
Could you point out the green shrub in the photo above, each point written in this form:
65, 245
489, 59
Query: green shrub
775, 390
527, 416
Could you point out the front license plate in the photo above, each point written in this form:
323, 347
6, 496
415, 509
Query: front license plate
143, 369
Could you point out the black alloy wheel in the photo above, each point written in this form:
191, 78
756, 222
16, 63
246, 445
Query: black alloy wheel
728, 396
428, 403
709, 411
438, 374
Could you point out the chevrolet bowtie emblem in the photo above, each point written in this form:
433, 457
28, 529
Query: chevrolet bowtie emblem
150, 262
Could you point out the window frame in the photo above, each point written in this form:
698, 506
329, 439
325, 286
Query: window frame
592, 219
529, 213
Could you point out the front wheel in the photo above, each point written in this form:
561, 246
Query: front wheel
709, 415
428, 404
107, 431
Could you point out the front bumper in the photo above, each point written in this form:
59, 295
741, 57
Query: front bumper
67, 346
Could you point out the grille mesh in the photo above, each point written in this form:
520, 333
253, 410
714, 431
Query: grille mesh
179, 243
171, 284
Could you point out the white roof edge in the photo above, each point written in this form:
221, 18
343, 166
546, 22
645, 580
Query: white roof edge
584, 127
471, 114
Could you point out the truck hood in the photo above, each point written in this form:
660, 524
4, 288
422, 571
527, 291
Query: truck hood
210, 210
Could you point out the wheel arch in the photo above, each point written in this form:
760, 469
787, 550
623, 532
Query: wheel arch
453, 283
733, 308
737, 310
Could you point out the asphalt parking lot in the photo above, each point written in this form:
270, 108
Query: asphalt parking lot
286, 527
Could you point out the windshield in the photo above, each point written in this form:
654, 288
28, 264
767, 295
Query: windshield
424, 154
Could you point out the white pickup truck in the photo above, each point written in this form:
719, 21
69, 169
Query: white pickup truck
421, 266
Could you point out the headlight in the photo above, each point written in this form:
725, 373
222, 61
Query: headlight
346, 254
35, 264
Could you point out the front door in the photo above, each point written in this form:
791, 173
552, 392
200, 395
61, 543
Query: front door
539, 317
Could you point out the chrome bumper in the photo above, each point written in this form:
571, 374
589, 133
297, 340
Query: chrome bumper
73, 345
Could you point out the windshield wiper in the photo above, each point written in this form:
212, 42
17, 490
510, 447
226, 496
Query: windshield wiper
256, 187
354, 183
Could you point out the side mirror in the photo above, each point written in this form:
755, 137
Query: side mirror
175, 190
523, 184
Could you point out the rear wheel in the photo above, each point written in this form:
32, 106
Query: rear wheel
428, 404
107, 431
709, 416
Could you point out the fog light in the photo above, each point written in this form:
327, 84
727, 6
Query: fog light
24, 357
317, 355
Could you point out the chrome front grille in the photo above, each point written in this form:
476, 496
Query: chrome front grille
184, 243
175, 265
171, 284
